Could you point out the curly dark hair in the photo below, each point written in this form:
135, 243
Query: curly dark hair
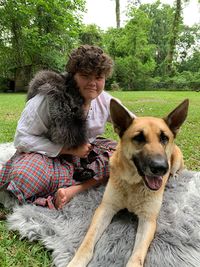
89, 59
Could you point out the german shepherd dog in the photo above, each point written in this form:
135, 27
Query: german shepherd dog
139, 169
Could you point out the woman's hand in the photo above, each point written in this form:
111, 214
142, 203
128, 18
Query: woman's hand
81, 151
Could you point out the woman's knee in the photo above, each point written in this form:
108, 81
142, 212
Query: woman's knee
30, 183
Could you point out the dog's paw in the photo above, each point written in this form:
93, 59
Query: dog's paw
174, 175
135, 262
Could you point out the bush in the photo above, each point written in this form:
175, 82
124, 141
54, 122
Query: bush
4, 84
184, 81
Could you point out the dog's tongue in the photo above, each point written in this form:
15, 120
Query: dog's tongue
154, 182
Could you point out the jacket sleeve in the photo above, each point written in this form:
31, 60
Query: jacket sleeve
107, 98
32, 128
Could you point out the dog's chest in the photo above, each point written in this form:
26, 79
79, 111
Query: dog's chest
139, 200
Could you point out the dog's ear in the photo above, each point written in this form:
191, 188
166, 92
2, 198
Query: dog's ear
120, 116
176, 118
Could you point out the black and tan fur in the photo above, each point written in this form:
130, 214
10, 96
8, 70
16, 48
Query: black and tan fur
140, 167
64, 105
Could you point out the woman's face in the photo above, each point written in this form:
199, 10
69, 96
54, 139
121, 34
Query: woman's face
90, 85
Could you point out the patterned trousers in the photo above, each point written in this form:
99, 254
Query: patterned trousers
35, 178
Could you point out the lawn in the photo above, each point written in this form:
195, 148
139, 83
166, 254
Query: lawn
15, 252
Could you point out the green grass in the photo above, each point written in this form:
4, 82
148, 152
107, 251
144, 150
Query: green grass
20, 253
16, 252
11, 106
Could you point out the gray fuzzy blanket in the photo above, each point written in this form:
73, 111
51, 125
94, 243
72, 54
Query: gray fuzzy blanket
176, 243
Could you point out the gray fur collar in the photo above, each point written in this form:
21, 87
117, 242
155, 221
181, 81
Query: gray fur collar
64, 104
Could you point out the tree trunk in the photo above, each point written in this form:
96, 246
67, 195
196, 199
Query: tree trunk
17, 42
17, 46
117, 12
173, 38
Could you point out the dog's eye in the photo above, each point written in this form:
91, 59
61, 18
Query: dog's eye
164, 138
140, 138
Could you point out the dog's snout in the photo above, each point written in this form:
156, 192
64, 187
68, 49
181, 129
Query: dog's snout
159, 165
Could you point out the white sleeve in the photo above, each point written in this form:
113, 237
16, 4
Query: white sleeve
108, 97
32, 128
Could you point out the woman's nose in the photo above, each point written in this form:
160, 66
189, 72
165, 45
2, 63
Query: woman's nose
92, 80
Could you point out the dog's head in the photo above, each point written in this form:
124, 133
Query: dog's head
147, 142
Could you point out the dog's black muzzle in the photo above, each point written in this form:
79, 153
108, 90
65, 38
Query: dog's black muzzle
151, 169
158, 165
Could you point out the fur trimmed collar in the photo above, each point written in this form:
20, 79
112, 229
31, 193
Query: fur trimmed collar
64, 106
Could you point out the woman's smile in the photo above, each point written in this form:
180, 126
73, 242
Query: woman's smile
90, 85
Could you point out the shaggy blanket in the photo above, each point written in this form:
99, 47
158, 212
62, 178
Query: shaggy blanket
176, 242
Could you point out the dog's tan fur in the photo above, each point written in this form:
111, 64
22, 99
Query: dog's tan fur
142, 138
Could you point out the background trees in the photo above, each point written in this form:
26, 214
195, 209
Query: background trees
35, 34
153, 50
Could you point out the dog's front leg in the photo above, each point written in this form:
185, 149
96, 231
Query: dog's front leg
145, 234
101, 219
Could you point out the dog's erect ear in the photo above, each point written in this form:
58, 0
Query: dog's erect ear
176, 118
120, 116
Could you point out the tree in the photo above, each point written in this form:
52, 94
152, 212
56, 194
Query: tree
113, 40
188, 42
192, 63
133, 54
141, 49
117, 12
37, 33
174, 34
161, 16
91, 34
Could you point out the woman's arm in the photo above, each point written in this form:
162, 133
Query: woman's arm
81, 151
32, 128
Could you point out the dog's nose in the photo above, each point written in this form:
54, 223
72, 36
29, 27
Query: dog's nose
159, 165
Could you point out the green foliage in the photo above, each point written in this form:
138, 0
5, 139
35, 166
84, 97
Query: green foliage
91, 34
37, 32
192, 63
188, 42
132, 52
40, 34
141, 50
3, 84
161, 16
183, 81
113, 40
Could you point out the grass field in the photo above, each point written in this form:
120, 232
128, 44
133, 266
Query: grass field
15, 252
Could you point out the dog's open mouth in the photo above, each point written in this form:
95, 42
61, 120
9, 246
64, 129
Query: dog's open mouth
153, 182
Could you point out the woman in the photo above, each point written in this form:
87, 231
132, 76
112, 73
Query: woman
58, 151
